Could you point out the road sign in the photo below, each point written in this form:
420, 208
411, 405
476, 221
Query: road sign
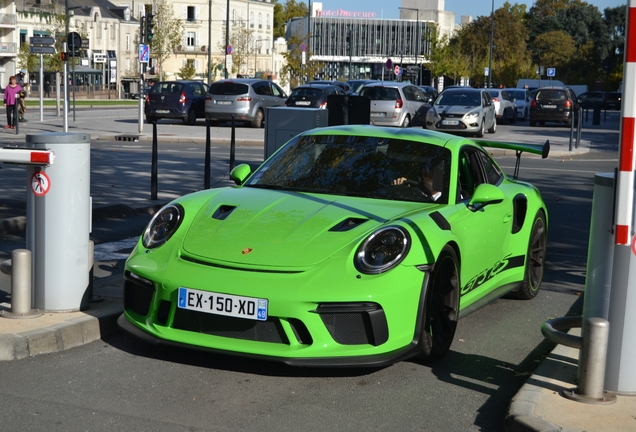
229, 50
40, 183
389, 63
551, 72
398, 70
74, 41
303, 47
42, 49
144, 53
304, 57
42, 41
486, 71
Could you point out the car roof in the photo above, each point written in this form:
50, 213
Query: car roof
388, 84
318, 86
240, 80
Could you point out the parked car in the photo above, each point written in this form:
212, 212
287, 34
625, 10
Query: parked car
393, 103
463, 110
343, 85
312, 95
521, 98
176, 99
320, 259
505, 108
356, 85
553, 104
430, 92
244, 98
613, 100
589, 100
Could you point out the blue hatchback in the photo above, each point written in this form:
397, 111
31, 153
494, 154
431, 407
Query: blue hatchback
176, 100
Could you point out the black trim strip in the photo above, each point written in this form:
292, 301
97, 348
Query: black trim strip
227, 267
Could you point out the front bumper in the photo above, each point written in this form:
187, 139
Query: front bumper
314, 319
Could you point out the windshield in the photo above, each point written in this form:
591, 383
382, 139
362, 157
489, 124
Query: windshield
519, 95
462, 98
229, 88
306, 93
355, 166
167, 88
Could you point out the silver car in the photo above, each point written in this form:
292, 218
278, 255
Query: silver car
245, 99
393, 103
463, 110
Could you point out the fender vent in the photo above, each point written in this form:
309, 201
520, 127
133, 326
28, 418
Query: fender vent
223, 212
348, 224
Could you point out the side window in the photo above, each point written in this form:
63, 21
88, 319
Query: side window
469, 175
197, 90
493, 173
275, 91
259, 88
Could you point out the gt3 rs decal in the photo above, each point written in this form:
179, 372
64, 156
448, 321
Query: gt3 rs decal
506, 263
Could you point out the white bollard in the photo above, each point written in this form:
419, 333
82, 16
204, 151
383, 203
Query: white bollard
21, 286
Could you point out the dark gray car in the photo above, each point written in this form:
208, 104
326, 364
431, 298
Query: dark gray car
244, 98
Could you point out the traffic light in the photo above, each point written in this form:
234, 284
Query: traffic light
64, 56
150, 23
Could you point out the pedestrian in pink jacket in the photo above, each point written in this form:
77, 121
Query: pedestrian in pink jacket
10, 96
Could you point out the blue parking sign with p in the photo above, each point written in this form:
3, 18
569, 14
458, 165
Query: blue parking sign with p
551, 72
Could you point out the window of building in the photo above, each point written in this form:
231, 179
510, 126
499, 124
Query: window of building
268, 23
252, 19
260, 20
127, 41
99, 30
191, 40
113, 32
191, 13
233, 16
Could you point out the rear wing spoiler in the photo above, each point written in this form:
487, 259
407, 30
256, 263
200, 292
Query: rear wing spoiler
519, 148
540, 149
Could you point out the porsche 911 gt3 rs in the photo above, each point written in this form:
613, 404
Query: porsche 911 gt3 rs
351, 245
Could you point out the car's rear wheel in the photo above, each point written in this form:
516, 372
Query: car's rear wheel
190, 118
535, 260
533, 123
258, 119
406, 122
513, 115
568, 122
441, 307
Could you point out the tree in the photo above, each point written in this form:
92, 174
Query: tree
241, 39
168, 33
293, 62
26, 60
188, 70
279, 20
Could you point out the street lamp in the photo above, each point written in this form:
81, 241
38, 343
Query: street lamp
492, 34
227, 34
210, 44
419, 38
256, 52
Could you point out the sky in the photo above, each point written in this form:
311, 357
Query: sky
473, 8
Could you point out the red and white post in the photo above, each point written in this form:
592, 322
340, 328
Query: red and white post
620, 372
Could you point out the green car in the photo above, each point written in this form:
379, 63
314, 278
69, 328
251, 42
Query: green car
350, 246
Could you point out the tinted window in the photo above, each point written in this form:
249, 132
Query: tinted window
306, 93
493, 173
167, 88
380, 93
229, 88
197, 90
551, 95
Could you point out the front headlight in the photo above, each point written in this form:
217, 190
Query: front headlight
471, 115
382, 250
162, 226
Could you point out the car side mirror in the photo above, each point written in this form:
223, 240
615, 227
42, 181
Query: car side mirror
485, 194
240, 173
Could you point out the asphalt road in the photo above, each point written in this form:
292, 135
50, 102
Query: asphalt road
122, 384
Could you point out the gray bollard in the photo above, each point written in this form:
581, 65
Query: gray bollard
21, 286
592, 366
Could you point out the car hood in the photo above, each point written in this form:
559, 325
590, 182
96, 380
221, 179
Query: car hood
259, 227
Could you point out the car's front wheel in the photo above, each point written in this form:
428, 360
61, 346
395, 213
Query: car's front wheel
441, 307
535, 260
482, 128
492, 129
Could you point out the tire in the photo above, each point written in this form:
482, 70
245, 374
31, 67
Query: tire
441, 307
492, 129
535, 260
533, 123
407, 121
568, 122
525, 114
258, 119
513, 119
190, 118
482, 129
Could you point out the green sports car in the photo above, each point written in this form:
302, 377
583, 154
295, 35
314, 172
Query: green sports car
350, 246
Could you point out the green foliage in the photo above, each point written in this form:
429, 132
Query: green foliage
297, 72
26, 60
168, 32
188, 71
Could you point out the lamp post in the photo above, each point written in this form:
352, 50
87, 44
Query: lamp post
419, 38
255, 53
227, 34
492, 34
210, 44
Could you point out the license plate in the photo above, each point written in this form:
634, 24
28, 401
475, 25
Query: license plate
549, 106
223, 304
223, 102
303, 103
377, 114
450, 122
162, 111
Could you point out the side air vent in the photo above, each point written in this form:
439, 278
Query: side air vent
223, 212
348, 224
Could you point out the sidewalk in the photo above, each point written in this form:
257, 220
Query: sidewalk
538, 406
